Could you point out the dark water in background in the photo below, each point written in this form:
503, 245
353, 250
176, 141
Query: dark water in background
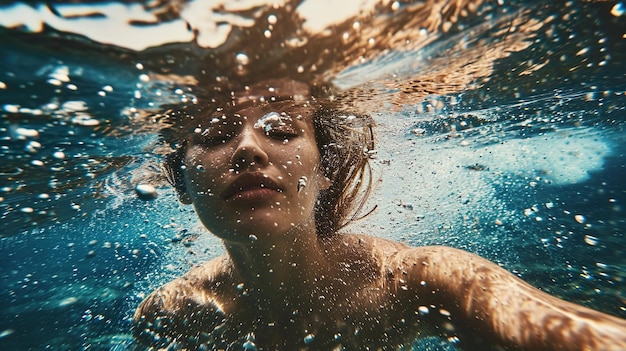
500, 132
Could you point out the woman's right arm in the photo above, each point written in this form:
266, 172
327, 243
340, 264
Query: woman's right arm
500, 307
184, 311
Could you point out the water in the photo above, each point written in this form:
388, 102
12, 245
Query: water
500, 131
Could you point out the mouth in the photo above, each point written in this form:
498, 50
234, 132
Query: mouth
251, 186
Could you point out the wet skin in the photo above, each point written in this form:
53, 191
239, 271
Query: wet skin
243, 171
282, 287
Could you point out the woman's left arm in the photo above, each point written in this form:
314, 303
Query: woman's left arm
501, 307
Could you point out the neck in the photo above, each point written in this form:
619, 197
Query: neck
285, 267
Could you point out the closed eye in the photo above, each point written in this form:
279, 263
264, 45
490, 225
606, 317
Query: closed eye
219, 131
283, 132
212, 137
215, 140
277, 125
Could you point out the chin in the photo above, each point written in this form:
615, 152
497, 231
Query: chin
243, 225
250, 230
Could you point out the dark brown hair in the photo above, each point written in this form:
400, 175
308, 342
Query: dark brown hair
345, 143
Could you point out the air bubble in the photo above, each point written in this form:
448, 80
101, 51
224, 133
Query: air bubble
580, 218
11, 108
249, 344
582, 51
618, 9
302, 183
6, 332
270, 121
26, 132
68, 301
61, 73
242, 59
145, 192
591, 240
309, 338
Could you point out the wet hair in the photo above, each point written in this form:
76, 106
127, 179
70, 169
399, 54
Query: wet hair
345, 142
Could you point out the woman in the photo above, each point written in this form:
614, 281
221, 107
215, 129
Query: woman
276, 175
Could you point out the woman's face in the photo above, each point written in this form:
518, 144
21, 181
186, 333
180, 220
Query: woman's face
254, 173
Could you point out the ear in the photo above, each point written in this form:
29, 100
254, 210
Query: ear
184, 198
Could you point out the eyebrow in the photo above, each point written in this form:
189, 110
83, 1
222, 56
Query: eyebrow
246, 100
266, 102
277, 106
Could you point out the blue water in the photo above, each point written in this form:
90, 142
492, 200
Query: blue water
502, 135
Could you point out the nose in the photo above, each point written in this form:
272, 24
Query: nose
249, 152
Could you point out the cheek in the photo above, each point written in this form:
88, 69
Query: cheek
296, 160
301, 166
201, 159
203, 168
308, 159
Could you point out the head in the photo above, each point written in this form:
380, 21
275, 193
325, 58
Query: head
323, 169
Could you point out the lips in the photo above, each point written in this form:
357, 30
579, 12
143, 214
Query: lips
251, 186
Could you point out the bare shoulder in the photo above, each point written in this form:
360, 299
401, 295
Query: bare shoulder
214, 272
480, 295
163, 315
368, 251
202, 279
374, 243
394, 253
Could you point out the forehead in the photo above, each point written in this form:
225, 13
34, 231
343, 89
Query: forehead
246, 103
298, 113
253, 110
272, 91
